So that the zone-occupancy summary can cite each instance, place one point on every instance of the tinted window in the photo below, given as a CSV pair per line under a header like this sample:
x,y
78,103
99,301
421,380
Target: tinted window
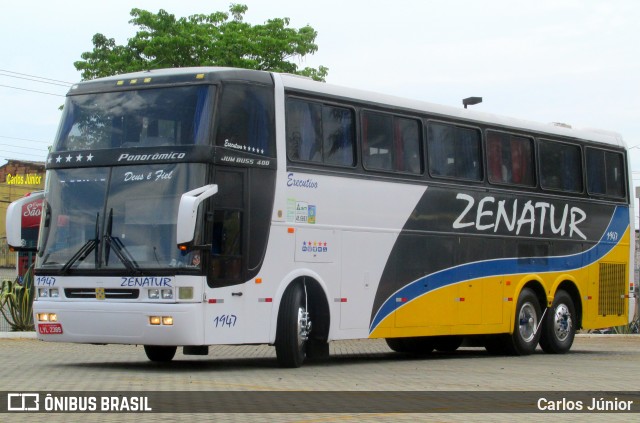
x,y
605,173
320,133
510,159
245,119
390,143
560,166
139,118
454,151
337,131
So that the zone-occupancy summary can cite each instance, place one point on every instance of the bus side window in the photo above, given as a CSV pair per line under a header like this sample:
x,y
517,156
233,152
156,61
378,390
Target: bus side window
x,y
338,134
560,166
454,152
407,145
377,136
605,173
510,159
320,133
304,141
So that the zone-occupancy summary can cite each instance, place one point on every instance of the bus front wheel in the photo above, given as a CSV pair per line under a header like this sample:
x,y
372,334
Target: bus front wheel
x,y
160,353
293,328
558,328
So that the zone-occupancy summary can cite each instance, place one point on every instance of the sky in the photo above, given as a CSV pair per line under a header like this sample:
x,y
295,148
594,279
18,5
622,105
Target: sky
x,y
570,61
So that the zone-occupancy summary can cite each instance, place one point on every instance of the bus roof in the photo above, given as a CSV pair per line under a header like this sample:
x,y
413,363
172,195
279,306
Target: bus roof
x,y
304,84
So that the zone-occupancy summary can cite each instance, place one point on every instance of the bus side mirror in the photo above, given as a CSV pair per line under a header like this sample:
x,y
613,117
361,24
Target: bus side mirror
x,y
23,222
188,213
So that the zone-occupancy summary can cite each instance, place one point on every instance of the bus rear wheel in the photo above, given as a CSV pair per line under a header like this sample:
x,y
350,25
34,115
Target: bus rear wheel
x,y
160,353
293,328
525,336
558,328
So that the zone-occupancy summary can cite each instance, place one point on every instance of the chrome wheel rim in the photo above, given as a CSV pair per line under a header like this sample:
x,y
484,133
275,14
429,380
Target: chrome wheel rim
x,y
562,322
528,319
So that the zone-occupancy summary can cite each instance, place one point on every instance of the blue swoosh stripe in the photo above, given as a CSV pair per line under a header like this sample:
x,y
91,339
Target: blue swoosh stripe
x,y
618,224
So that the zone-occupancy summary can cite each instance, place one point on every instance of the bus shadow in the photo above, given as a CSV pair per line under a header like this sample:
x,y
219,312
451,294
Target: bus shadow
x,y
210,362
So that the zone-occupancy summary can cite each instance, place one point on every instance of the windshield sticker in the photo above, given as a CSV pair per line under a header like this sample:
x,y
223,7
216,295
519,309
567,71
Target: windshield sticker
x,y
151,176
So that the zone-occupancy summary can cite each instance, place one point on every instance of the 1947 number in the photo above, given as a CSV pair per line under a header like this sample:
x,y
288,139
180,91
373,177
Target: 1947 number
x,y
225,320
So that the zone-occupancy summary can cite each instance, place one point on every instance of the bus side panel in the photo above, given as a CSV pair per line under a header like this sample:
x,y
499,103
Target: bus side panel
x,y
475,241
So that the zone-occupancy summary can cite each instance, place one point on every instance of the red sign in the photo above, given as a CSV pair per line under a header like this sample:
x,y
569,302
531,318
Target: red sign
x,y
50,328
31,213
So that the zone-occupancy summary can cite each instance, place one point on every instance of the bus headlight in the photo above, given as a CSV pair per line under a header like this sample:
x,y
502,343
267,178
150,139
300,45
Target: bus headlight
x,y
154,294
48,292
167,294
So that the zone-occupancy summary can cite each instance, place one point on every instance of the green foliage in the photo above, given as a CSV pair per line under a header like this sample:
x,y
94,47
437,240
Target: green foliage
x,y
216,39
16,302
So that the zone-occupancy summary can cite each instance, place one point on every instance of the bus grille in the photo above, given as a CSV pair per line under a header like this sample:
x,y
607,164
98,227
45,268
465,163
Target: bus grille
x,y
109,293
612,289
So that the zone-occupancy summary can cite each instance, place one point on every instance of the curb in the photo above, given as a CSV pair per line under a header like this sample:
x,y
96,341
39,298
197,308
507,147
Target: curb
x,y
17,335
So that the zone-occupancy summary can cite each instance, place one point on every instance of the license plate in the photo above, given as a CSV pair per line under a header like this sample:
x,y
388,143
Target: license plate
x,y
50,328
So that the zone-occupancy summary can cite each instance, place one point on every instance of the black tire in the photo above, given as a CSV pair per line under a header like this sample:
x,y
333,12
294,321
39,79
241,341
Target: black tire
x,y
559,325
418,346
290,341
525,336
160,353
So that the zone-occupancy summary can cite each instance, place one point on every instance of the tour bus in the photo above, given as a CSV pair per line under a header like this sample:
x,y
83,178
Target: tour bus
x,y
201,206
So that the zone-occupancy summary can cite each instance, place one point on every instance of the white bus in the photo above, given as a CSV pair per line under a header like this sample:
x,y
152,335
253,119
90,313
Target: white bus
x,y
202,206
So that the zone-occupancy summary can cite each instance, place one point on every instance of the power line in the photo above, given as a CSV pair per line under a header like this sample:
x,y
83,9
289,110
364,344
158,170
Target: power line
x,y
38,77
25,139
34,80
24,148
33,91
23,154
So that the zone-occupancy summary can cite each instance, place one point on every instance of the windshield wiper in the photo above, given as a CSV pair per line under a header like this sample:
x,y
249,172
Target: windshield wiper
x,y
84,251
118,247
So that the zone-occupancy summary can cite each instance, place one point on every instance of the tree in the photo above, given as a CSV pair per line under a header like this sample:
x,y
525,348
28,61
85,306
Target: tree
x,y
217,39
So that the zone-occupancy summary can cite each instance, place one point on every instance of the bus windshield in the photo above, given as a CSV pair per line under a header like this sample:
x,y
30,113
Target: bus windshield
x,y
120,218
136,118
